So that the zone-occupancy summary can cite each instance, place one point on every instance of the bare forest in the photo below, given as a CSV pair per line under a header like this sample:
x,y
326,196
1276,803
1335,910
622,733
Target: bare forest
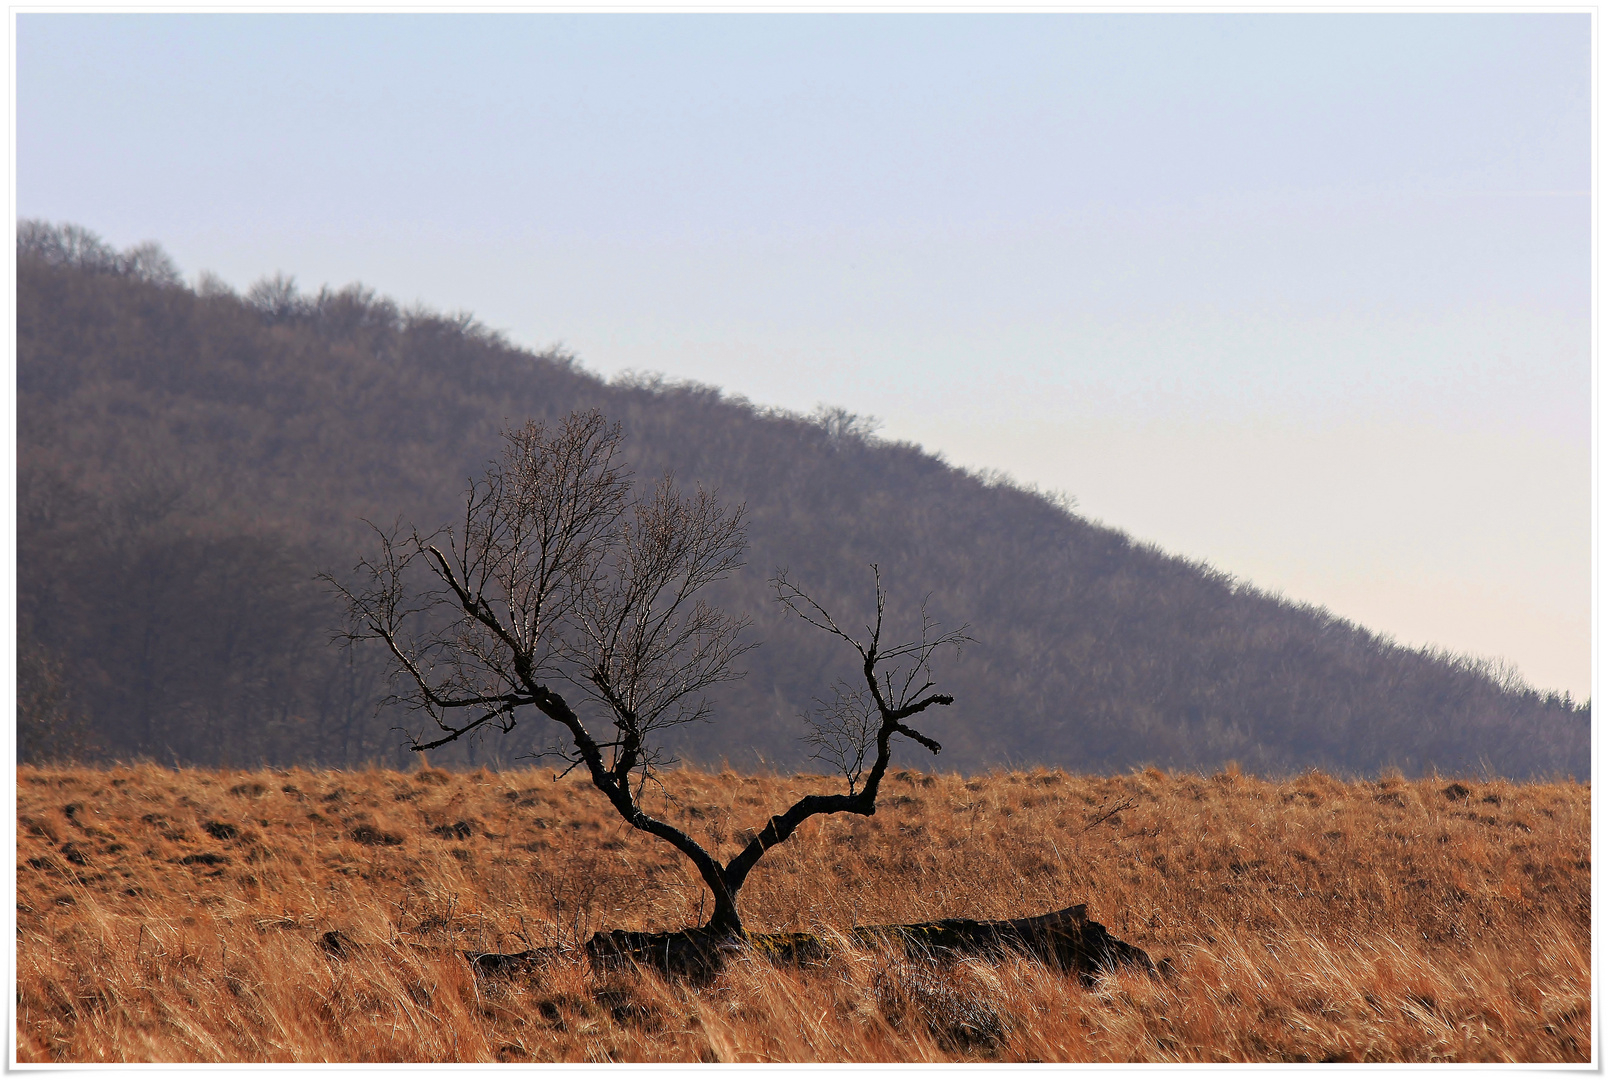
x,y
190,459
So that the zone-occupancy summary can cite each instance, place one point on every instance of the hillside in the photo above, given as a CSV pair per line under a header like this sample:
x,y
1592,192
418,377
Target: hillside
x,y
189,459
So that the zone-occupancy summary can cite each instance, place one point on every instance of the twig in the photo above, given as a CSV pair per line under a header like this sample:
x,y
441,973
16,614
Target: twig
x,y
1125,804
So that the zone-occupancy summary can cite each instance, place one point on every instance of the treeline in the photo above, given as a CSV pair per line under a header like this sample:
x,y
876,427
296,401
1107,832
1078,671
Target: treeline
x,y
190,458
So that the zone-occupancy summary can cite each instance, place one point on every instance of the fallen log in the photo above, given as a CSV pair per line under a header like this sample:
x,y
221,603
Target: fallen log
x,y
694,954
1066,939
486,963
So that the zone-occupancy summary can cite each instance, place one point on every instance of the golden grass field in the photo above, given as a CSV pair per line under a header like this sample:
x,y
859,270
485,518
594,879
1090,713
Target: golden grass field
x,y
298,915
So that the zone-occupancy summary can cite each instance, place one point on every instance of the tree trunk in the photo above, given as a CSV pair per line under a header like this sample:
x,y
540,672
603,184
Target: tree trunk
x,y
725,922
696,954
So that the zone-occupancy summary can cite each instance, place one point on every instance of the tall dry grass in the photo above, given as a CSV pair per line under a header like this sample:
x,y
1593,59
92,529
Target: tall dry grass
x,y
320,916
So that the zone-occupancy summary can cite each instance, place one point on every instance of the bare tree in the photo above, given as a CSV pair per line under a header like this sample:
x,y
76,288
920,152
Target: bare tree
x,y
845,729
50,728
561,592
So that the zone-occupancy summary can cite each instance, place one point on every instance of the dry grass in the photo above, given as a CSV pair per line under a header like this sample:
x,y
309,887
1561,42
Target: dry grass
x,y
318,916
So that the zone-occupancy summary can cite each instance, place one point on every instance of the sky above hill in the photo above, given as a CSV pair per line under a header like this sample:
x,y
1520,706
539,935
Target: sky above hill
x,y
1304,296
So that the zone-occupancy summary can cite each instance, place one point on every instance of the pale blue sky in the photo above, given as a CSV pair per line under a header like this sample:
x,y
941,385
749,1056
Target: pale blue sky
x,y
1304,296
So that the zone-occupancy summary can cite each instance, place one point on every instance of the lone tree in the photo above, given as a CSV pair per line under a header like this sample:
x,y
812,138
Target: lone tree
x,y
561,591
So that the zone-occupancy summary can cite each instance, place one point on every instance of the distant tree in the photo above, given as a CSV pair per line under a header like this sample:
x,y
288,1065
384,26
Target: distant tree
x,y
842,425
77,247
561,592
277,299
50,728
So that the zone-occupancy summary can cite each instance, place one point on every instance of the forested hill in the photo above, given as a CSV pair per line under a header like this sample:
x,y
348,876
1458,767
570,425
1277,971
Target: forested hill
x,y
189,459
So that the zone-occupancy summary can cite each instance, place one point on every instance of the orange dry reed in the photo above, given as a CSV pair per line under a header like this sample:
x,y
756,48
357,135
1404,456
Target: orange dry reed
x,y
320,916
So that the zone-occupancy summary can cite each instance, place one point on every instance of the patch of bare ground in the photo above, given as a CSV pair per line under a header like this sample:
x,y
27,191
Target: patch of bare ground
x,y
322,916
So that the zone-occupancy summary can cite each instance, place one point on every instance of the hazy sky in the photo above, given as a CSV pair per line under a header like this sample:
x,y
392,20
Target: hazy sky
x,y
1304,296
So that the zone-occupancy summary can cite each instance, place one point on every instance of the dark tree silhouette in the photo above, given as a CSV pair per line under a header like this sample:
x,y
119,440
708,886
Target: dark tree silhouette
x,y
561,592
49,727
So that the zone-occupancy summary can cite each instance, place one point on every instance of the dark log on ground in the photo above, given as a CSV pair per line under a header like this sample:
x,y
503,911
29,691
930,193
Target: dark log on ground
x,y
486,963
694,954
1066,939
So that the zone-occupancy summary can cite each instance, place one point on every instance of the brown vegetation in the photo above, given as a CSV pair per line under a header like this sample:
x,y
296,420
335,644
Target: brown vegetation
x,y
308,916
